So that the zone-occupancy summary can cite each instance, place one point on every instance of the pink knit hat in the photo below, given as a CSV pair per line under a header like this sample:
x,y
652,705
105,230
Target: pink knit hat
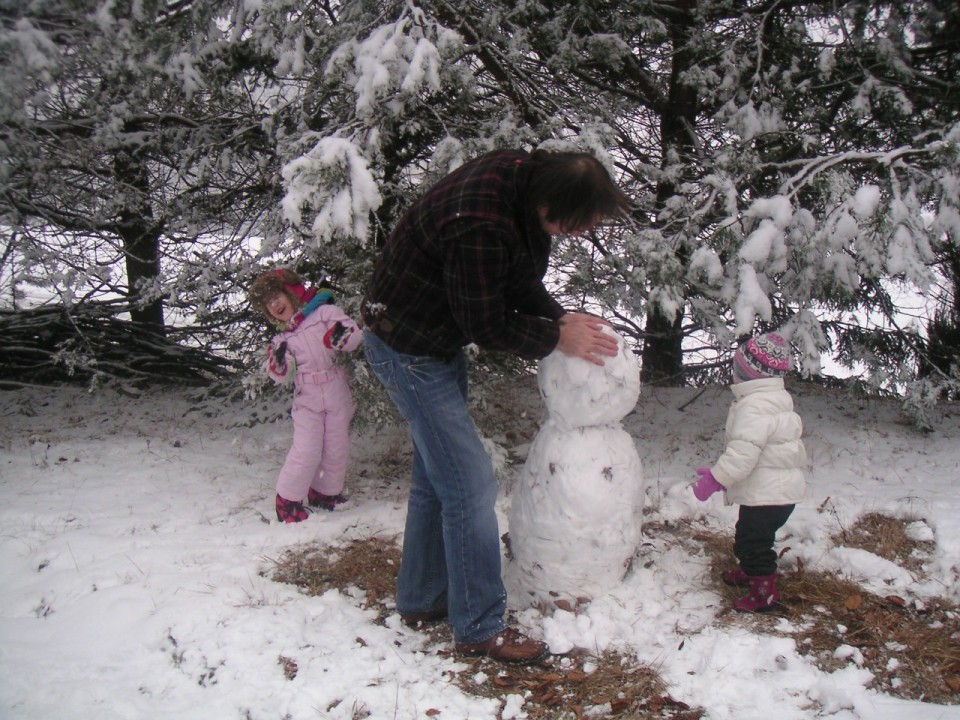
x,y
763,356
274,282
299,291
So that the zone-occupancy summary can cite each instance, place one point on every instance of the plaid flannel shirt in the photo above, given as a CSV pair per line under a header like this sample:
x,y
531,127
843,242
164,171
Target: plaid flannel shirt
x,y
466,264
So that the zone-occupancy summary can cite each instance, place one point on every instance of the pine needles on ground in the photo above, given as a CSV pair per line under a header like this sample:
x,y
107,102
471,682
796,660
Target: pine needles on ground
x,y
912,649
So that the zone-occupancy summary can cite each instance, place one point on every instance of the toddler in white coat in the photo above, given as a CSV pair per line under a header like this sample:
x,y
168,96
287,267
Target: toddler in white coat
x,y
763,467
312,331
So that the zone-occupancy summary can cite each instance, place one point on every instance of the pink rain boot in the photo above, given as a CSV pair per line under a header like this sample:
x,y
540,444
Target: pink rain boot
x,y
763,595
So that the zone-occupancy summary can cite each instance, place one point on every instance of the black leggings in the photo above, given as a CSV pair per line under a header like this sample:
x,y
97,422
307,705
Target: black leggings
x,y
756,532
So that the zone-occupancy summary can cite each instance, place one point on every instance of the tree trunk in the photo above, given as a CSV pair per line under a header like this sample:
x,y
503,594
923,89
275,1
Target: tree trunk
x,y
141,243
662,354
142,250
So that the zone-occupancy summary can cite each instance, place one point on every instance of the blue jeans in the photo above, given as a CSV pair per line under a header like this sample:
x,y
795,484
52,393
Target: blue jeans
x,y
451,543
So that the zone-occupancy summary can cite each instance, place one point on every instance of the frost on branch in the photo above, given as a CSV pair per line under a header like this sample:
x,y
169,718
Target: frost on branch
x,y
762,254
396,61
751,302
333,180
805,333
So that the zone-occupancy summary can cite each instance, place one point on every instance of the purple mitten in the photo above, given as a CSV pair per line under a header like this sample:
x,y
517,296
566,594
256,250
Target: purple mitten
x,y
707,485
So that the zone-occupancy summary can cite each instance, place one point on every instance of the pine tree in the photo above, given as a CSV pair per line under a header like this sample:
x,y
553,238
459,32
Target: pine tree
x,y
791,165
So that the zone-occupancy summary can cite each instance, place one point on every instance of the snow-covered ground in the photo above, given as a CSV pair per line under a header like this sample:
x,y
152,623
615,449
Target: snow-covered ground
x,y
138,537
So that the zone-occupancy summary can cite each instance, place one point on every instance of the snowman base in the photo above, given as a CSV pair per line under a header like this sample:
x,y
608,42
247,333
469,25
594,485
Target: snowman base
x,y
576,517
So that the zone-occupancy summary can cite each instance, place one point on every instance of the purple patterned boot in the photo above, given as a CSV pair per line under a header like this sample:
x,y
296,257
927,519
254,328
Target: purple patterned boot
x,y
735,578
763,595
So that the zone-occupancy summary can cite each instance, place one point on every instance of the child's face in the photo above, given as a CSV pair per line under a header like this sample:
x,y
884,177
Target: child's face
x,y
280,308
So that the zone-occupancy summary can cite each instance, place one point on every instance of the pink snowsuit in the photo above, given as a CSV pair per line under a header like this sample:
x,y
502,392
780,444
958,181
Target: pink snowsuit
x,y
323,405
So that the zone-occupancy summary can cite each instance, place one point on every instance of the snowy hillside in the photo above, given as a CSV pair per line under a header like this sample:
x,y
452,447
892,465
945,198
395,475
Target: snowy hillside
x,y
139,545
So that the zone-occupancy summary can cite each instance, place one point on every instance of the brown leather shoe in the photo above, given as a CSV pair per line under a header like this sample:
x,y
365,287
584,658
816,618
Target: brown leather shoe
x,y
508,645
415,620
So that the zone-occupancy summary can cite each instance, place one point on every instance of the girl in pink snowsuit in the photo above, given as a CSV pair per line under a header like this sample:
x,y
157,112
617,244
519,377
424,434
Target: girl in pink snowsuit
x,y
312,331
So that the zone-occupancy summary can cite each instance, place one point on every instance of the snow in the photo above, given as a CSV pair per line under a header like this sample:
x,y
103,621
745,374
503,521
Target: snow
x,y
317,179
866,201
776,208
139,540
751,301
706,261
760,243
394,57
34,46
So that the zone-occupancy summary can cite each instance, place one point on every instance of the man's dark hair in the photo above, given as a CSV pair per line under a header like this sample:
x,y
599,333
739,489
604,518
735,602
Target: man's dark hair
x,y
574,187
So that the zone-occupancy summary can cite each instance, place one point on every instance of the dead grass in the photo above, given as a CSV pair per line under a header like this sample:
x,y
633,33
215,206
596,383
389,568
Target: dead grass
x,y
886,537
560,688
912,650
580,686
369,565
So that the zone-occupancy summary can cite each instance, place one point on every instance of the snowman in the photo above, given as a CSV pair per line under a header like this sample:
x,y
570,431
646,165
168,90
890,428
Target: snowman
x,y
575,518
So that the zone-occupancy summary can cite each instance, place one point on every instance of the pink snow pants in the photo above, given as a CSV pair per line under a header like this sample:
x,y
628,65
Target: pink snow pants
x,y
322,409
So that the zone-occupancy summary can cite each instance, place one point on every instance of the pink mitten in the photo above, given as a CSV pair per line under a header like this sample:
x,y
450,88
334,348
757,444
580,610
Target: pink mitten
x,y
707,485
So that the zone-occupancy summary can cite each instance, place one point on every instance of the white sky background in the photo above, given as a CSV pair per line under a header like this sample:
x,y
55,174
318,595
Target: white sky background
x,y
139,539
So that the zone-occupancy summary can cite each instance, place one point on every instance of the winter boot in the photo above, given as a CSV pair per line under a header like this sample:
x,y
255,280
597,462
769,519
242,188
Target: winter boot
x,y
325,502
763,595
735,578
291,511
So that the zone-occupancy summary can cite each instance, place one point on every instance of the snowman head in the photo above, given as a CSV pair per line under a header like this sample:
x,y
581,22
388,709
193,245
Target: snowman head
x,y
579,393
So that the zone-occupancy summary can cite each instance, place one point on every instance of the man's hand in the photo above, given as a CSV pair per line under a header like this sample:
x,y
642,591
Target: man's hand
x,y
582,336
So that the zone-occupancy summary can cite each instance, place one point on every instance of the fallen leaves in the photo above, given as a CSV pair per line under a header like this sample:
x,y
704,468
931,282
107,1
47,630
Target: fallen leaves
x,y
289,665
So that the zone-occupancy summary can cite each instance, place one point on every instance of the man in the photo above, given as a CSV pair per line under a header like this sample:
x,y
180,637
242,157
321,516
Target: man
x,y
465,264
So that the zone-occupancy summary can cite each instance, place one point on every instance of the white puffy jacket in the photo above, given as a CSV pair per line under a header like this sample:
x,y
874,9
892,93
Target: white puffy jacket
x,y
764,462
